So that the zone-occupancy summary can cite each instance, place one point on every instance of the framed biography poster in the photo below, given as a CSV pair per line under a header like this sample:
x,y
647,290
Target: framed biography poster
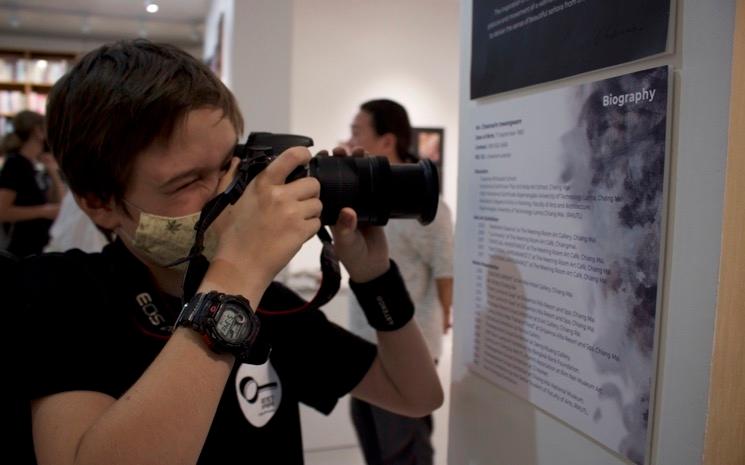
x,y
566,208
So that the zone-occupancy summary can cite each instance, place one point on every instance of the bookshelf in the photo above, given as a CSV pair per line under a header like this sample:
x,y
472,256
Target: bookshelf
x,y
26,77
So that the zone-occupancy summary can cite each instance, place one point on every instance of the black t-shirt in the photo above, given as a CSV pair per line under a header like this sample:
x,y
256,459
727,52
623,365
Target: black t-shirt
x,y
18,174
96,322
16,440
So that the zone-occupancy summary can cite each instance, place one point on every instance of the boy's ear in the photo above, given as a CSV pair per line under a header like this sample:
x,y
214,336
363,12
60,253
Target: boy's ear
x,y
104,214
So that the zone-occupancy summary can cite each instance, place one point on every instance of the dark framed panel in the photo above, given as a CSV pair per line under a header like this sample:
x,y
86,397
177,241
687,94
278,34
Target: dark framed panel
x,y
520,43
429,143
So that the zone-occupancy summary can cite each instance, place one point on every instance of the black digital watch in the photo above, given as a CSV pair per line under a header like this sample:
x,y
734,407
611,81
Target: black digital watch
x,y
227,323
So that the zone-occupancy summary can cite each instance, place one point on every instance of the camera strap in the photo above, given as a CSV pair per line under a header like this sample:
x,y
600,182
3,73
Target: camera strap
x,y
198,263
330,281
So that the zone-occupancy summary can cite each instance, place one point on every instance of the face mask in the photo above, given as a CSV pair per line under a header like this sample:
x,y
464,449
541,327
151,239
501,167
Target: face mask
x,y
165,239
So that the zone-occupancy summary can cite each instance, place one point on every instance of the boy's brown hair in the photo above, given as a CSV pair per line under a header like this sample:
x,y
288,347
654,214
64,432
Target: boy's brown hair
x,y
117,101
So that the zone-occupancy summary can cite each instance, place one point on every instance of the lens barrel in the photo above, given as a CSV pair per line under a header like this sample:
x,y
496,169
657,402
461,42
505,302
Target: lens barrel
x,y
375,189
371,186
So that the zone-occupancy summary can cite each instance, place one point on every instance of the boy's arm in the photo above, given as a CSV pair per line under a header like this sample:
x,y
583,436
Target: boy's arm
x,y
403,377
57,189
165,416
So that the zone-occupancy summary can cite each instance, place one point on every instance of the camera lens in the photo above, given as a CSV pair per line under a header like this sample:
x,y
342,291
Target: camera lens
x,y
375,189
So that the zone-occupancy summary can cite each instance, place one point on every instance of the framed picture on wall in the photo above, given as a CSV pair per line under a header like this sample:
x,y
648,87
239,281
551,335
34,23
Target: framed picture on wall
x,y
214,61
429,143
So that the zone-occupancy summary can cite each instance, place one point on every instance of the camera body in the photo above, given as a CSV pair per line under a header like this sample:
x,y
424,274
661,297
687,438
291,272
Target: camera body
x,y
371,186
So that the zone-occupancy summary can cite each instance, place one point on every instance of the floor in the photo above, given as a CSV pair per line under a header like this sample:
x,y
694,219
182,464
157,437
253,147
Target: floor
x,y
351,455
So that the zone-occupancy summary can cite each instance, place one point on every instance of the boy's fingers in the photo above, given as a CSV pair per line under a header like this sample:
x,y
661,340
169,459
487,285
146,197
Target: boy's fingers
x,y
305,188
282,166
340,152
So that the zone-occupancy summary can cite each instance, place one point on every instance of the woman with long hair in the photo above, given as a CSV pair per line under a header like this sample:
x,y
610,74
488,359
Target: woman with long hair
x,y
29,196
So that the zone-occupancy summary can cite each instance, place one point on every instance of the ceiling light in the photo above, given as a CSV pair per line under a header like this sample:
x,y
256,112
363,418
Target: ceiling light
x,y
151,7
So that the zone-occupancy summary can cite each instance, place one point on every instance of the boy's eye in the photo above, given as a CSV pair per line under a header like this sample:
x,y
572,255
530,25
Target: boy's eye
x,y
185,186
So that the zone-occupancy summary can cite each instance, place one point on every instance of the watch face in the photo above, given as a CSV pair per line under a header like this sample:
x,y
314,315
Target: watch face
x,y
232,324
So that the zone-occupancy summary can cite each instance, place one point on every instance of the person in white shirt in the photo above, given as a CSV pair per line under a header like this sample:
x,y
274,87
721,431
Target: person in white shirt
x,y
424,255
74,230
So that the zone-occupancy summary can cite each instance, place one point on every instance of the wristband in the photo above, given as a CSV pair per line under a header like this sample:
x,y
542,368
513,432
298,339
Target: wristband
x,y
385,300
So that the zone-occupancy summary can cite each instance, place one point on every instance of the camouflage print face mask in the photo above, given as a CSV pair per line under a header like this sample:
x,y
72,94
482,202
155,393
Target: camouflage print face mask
x,y
165,239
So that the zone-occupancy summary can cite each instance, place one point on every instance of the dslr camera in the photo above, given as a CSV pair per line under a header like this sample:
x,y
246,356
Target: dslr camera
x,y
371,186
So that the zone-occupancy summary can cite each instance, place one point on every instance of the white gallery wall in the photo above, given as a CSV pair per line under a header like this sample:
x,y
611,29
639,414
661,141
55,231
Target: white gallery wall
x,y
345,52
305,66
255,58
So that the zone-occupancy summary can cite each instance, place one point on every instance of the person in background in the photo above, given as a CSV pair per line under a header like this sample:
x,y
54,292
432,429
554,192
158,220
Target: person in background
x,y
129,366
72,229
29,197
424,255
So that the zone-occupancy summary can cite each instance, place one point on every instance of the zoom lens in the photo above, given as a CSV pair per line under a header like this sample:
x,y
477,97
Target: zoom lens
x,y
375,189
371,186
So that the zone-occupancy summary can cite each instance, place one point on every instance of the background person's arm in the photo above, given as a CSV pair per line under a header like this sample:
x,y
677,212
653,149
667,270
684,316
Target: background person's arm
x,y
58,189
445,296
11,213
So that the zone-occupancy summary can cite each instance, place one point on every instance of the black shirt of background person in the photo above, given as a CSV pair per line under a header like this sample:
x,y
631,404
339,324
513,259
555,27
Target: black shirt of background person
x,y
19,175
90,334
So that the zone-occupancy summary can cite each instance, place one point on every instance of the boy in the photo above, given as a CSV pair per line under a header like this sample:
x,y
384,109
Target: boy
x,y
144,134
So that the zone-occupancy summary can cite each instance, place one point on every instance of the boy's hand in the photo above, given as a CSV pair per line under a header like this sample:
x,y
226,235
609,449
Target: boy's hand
x,y
363,250
266,227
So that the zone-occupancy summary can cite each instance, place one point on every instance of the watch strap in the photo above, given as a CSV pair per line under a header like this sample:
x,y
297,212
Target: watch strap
x,y
199,310
191,311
